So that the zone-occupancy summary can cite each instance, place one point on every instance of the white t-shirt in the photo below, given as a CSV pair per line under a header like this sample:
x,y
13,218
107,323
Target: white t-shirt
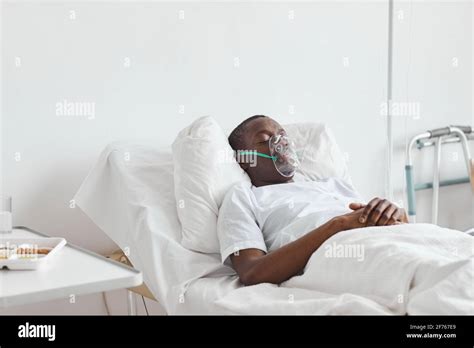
x,y
268,217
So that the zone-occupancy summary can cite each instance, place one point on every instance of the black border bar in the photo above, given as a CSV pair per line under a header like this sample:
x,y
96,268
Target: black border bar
x,y
135,330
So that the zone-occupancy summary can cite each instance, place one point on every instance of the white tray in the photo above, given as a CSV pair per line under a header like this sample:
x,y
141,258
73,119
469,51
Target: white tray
x,y
22,263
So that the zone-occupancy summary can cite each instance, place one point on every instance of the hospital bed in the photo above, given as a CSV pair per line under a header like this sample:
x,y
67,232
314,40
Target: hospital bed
x,y
129,195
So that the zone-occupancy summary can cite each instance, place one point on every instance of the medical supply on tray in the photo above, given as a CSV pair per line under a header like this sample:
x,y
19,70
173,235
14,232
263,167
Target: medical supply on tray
x,y
28,253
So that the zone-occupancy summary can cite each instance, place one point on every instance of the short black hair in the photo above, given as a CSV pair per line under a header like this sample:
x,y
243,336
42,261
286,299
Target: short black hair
x,y
236,137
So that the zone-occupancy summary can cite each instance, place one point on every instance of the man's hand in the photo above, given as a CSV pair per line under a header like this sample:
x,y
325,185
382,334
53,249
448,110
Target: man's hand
x,y
380,212
351,220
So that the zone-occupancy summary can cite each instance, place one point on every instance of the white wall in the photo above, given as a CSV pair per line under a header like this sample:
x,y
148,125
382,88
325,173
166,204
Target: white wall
x,y
433,60
320,61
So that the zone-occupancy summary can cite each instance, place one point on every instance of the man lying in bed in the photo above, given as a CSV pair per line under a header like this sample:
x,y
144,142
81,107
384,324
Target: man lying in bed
x,y
270,230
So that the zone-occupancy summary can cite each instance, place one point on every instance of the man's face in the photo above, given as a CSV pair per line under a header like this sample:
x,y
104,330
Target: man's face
x,y
256,138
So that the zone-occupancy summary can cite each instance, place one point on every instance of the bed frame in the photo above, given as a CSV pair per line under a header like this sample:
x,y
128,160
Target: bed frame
x,y
141,290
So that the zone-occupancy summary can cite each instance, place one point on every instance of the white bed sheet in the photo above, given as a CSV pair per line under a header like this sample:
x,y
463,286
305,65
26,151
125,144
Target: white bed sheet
x,y
129,195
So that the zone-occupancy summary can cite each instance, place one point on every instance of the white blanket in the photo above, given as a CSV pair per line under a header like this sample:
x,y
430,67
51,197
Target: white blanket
x,y
415,269
404,269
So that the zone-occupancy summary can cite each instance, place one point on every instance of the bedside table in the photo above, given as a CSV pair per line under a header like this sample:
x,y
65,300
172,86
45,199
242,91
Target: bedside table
x,y
72,271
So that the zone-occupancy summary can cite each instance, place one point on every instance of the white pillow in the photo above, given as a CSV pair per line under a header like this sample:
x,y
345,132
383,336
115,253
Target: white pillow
x,y
318,152
205,168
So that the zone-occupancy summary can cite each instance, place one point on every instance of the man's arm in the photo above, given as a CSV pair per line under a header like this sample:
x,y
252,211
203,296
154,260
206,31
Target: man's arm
x,y
254,266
